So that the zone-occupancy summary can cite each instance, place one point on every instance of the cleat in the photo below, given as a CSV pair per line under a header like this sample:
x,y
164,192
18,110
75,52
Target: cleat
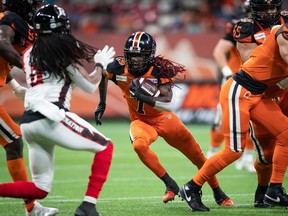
x,y
227,202
221,198
86,209
40,210
276,196
192,196
168,196
171,191
259,197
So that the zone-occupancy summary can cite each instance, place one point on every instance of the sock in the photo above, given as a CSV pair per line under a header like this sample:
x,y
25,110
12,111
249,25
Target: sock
x,y
99,171
22,189
264,172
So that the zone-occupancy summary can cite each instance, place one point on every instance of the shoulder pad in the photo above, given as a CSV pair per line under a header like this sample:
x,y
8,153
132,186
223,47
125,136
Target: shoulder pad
x,y
284,17
243,30
117,66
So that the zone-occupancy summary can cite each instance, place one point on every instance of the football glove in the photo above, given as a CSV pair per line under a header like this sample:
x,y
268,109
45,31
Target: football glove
x,y
105,56
135,92
99,113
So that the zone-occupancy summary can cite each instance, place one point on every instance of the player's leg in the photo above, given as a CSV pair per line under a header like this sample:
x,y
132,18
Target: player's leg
x,y
264,146
246,161
77,134
216,134
11,140
142,135
176,134
235,124
276,124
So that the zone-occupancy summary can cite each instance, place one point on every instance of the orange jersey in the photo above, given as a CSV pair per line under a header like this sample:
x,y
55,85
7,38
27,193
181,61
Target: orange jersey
x,y
249,31
233,57
265,64
118,73
23,37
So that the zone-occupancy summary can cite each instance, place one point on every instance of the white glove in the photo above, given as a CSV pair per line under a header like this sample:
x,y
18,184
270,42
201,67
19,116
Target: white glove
x,y
20,92
105,56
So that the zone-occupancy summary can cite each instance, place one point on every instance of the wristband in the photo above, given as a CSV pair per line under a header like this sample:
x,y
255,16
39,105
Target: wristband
x,y
13,84
226,71
99,65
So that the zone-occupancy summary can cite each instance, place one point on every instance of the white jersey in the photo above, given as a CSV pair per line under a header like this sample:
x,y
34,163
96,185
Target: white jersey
x,y
45,90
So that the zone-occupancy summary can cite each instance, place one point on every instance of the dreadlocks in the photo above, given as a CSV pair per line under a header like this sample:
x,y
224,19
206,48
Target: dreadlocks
x,y
53,53
168,68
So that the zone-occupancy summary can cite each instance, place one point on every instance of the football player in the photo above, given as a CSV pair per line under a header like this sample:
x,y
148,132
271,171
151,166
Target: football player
x,y
250,33
150,116
242,100
228,60
54,61
15,36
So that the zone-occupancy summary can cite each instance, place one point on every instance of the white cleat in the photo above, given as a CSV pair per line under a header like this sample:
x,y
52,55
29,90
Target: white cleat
x,y
40,210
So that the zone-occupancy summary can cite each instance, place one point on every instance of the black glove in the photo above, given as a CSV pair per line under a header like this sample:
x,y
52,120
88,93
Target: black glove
x,y
99,113
136,93
135,88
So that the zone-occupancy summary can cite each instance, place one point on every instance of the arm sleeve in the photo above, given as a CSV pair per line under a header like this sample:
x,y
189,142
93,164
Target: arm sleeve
x,y
81,81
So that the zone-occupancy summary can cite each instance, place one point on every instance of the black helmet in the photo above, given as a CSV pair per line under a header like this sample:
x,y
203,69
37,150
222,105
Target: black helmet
x,y
142,46
246,7
24,8
259,11
51,18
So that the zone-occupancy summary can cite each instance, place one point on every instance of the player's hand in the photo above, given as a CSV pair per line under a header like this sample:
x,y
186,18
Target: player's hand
x,y
20,92
135,89
99,113
105,56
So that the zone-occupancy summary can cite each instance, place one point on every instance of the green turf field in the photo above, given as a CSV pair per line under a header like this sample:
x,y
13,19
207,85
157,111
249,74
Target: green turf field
x,y
133,190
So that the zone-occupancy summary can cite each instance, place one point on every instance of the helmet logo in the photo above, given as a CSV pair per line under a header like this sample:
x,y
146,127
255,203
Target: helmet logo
x,y
268,1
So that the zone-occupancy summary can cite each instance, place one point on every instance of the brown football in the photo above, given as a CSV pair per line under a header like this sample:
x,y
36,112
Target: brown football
x,y
148,87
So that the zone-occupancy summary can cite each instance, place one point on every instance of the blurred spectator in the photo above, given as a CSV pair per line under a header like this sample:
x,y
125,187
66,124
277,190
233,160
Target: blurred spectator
x,y
125,16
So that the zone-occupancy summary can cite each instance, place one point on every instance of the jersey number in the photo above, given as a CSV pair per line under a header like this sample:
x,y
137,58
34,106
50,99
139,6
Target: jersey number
x,y
140,108
236,31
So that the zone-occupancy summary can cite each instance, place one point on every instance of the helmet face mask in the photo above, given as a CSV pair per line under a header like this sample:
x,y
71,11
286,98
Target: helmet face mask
x,y
51,19
24,8
266,12
139,52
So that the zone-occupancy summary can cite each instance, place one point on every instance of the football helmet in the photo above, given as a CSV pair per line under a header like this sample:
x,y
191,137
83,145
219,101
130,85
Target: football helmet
x,y
24,8
260,13
139,52
51,19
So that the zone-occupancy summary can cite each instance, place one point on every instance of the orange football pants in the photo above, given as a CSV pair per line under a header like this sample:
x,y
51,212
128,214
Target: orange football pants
x,y
9,130
168,126
239,106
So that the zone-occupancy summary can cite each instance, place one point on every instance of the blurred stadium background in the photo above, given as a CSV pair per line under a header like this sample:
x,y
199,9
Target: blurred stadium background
x,y
185,31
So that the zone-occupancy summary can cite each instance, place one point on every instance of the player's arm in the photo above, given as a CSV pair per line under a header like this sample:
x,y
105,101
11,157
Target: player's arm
x,y
219,53
162,102
17,89
282,41
245,49
87,82
243,35
103,86
7,50
276,90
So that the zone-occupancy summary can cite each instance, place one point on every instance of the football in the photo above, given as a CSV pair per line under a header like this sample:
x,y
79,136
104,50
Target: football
x,y
148,87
